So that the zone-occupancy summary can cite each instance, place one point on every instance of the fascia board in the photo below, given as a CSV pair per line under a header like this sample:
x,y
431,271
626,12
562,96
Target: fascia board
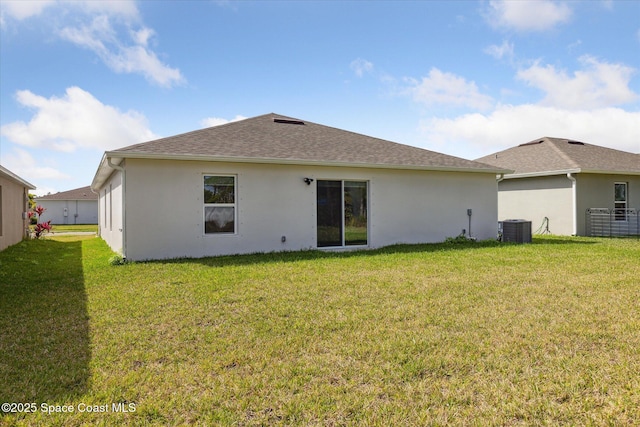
x,y
263,160
566,171
15,178
539,174
609,172
103,172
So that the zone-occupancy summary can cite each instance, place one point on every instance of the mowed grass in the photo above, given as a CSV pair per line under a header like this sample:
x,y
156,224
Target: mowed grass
x,y
70,228
450,334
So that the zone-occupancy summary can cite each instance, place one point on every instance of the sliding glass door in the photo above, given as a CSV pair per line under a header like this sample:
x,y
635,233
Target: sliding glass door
x,y
329,206
342,213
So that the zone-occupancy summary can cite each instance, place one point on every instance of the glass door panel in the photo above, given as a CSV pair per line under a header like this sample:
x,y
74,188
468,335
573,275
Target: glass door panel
x,y
355,213
329,213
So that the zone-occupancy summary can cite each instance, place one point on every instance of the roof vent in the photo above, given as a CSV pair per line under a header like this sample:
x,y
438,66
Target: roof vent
x,y
288,121
531,143
575,142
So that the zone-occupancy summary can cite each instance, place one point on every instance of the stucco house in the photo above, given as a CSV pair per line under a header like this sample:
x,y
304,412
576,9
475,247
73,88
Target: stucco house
x,y
77,206
14,204
276,183
581,189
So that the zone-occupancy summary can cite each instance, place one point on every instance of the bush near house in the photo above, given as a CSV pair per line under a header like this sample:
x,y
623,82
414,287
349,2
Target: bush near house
x,y
469,334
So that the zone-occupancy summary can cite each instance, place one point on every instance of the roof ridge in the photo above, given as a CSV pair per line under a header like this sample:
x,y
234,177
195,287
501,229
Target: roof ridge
x,y
561,152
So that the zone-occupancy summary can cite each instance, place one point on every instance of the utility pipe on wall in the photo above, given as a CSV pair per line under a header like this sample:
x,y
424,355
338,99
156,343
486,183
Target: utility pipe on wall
x,y
574,200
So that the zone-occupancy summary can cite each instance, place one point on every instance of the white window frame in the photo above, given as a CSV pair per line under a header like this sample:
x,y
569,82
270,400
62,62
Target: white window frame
x,y
625,202
110,207
343,244
233,205
104,221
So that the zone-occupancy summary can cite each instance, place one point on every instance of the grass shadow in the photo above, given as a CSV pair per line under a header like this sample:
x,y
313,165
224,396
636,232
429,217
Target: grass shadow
x,y
304,255
44,324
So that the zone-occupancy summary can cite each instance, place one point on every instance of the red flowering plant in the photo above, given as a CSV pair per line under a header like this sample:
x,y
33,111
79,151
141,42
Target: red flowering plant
x,y
41,227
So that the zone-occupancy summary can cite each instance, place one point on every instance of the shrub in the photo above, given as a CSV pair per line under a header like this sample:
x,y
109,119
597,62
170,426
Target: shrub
x,y
117,260
461,238
40,227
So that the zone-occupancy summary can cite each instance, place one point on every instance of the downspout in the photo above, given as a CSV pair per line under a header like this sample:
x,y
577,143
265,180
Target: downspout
x,y
498,180
574,198
124,198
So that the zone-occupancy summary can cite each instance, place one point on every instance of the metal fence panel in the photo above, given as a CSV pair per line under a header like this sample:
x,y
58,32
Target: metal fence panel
x,y
605,222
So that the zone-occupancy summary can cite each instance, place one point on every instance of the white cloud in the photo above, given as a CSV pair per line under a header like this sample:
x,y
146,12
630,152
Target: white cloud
x,y
111,29
507,125
598,85
122,57
22,163
217,121
361,66
441,88
125,8
527,15
21,9
141,37
502,51
76,120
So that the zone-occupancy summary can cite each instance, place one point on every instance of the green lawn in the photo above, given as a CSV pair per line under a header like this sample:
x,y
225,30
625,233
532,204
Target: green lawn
x,y
75,227
465,334
61,228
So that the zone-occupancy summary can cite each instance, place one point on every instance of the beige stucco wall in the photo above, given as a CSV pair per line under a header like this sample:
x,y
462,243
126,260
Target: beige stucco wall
x,y
164,207
535,198
78,211
597,191
13,205
110,212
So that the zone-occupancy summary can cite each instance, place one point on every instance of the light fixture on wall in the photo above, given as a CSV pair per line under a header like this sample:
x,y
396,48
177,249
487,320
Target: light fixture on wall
x,y
308,181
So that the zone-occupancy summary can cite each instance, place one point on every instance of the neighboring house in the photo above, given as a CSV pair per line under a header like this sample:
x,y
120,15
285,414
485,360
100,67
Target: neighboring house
x,y
78,206
582,189
14,204
274,183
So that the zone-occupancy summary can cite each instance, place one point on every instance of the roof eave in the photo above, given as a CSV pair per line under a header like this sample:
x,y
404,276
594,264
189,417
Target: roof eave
x,y
610,172
566,171
104,171
266,160
541,173
13,177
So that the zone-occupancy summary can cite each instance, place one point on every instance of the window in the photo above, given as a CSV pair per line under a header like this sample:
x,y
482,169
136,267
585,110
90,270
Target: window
x,y
110,208
620,201
105,209
219,204
342,213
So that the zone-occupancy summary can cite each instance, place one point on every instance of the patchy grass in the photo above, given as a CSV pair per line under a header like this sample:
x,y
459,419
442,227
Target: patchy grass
x,y
59,228
56,228
466,334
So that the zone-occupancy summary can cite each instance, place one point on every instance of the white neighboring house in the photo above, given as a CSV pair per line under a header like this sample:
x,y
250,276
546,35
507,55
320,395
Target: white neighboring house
x,y
77,206
572,187
14,204
275,183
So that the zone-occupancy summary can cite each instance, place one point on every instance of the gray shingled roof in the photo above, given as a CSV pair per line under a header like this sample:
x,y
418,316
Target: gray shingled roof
x,y
83,193
273,138
556,155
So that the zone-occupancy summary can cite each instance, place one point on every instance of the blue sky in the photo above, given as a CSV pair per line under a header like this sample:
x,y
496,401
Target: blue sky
x,y
465,78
